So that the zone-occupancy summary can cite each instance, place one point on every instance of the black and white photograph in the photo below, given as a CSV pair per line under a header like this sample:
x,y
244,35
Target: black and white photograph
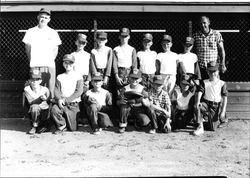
x,y
125,88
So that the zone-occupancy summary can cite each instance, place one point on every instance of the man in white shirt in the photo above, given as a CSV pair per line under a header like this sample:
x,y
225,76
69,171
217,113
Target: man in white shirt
x,y
41,45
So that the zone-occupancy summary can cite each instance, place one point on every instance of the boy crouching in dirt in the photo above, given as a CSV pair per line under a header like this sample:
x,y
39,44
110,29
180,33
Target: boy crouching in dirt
x,y
183,102
68,91
133,102
37,97
208,108
98,103
161,104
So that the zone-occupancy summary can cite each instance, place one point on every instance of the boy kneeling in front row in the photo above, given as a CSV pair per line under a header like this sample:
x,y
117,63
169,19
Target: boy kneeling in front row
x,y
37,97
68,91
98,104
133,101
208,108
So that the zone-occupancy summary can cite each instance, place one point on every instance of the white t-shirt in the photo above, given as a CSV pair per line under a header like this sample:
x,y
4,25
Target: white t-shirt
x,y
147,61
101,57
32,95
68,84
124,55
213,90
81,65
168,62
188,60
42,41
100,96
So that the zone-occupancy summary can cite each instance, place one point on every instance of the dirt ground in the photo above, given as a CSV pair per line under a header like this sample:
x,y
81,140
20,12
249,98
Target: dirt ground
x,y
82,154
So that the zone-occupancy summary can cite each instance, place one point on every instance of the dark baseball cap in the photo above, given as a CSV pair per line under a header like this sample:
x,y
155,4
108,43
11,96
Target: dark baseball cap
x,y
68,57
189,41
212,67
167,38
124,32
158,79
147,37
97,77
135,73
44,10
101,34
82,37
35,74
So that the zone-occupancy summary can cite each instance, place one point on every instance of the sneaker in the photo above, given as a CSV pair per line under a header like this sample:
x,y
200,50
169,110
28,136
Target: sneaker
x,y
60,131
152,131
42,130
167,126
199,131
122,130
97,132
223,124
32,131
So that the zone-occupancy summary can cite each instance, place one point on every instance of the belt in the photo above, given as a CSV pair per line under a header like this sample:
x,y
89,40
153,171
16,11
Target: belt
x,y
123,68
212,102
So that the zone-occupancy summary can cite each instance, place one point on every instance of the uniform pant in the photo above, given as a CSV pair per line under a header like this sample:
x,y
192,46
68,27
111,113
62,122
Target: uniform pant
x,y
38,115
48,78
169,83
99,116
146,80
141,115
182,118
66,116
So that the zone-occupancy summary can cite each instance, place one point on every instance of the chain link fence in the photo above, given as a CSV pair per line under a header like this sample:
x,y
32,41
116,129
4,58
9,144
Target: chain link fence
x,y
15,66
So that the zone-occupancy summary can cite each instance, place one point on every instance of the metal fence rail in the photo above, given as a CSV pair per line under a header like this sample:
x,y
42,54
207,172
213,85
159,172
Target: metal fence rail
x,y
234,28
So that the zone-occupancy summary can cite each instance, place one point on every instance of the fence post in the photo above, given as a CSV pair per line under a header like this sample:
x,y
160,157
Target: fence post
x,y
190,28
95,30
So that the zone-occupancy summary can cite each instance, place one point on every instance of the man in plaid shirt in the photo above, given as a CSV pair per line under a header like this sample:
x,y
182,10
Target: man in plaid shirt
x,y
208,46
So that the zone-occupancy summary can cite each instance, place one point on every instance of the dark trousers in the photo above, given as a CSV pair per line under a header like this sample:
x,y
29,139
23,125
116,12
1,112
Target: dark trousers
x,y
146,80
141,115
38,116
66,116
182,118
99,116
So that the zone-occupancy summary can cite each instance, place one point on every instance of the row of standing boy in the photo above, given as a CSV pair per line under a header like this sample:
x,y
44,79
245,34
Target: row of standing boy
x,y
151,75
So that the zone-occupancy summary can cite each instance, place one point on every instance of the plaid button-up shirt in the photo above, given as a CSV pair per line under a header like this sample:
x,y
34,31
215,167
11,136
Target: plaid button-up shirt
x,y
161,99
207,46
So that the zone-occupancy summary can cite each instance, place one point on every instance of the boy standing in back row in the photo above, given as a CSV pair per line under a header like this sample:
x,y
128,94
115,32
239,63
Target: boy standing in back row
x,y
167,64
147,60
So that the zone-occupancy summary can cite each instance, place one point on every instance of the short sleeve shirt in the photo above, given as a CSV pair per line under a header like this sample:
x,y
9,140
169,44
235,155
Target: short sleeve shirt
x,y
207,46
81,62
43,42
147,61
188,60
100,96
124,55
168,62
162,100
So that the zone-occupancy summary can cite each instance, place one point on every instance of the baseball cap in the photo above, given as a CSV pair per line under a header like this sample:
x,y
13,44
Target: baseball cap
x,y
158,79
44,10
185,82
167,38
97,77
212,66
82,37
68,57
35,74
189,41
135,73
147,37
101,35
124,32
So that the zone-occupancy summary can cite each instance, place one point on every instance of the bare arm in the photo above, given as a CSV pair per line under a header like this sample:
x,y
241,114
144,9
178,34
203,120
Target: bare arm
x,y
222,57
28,50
